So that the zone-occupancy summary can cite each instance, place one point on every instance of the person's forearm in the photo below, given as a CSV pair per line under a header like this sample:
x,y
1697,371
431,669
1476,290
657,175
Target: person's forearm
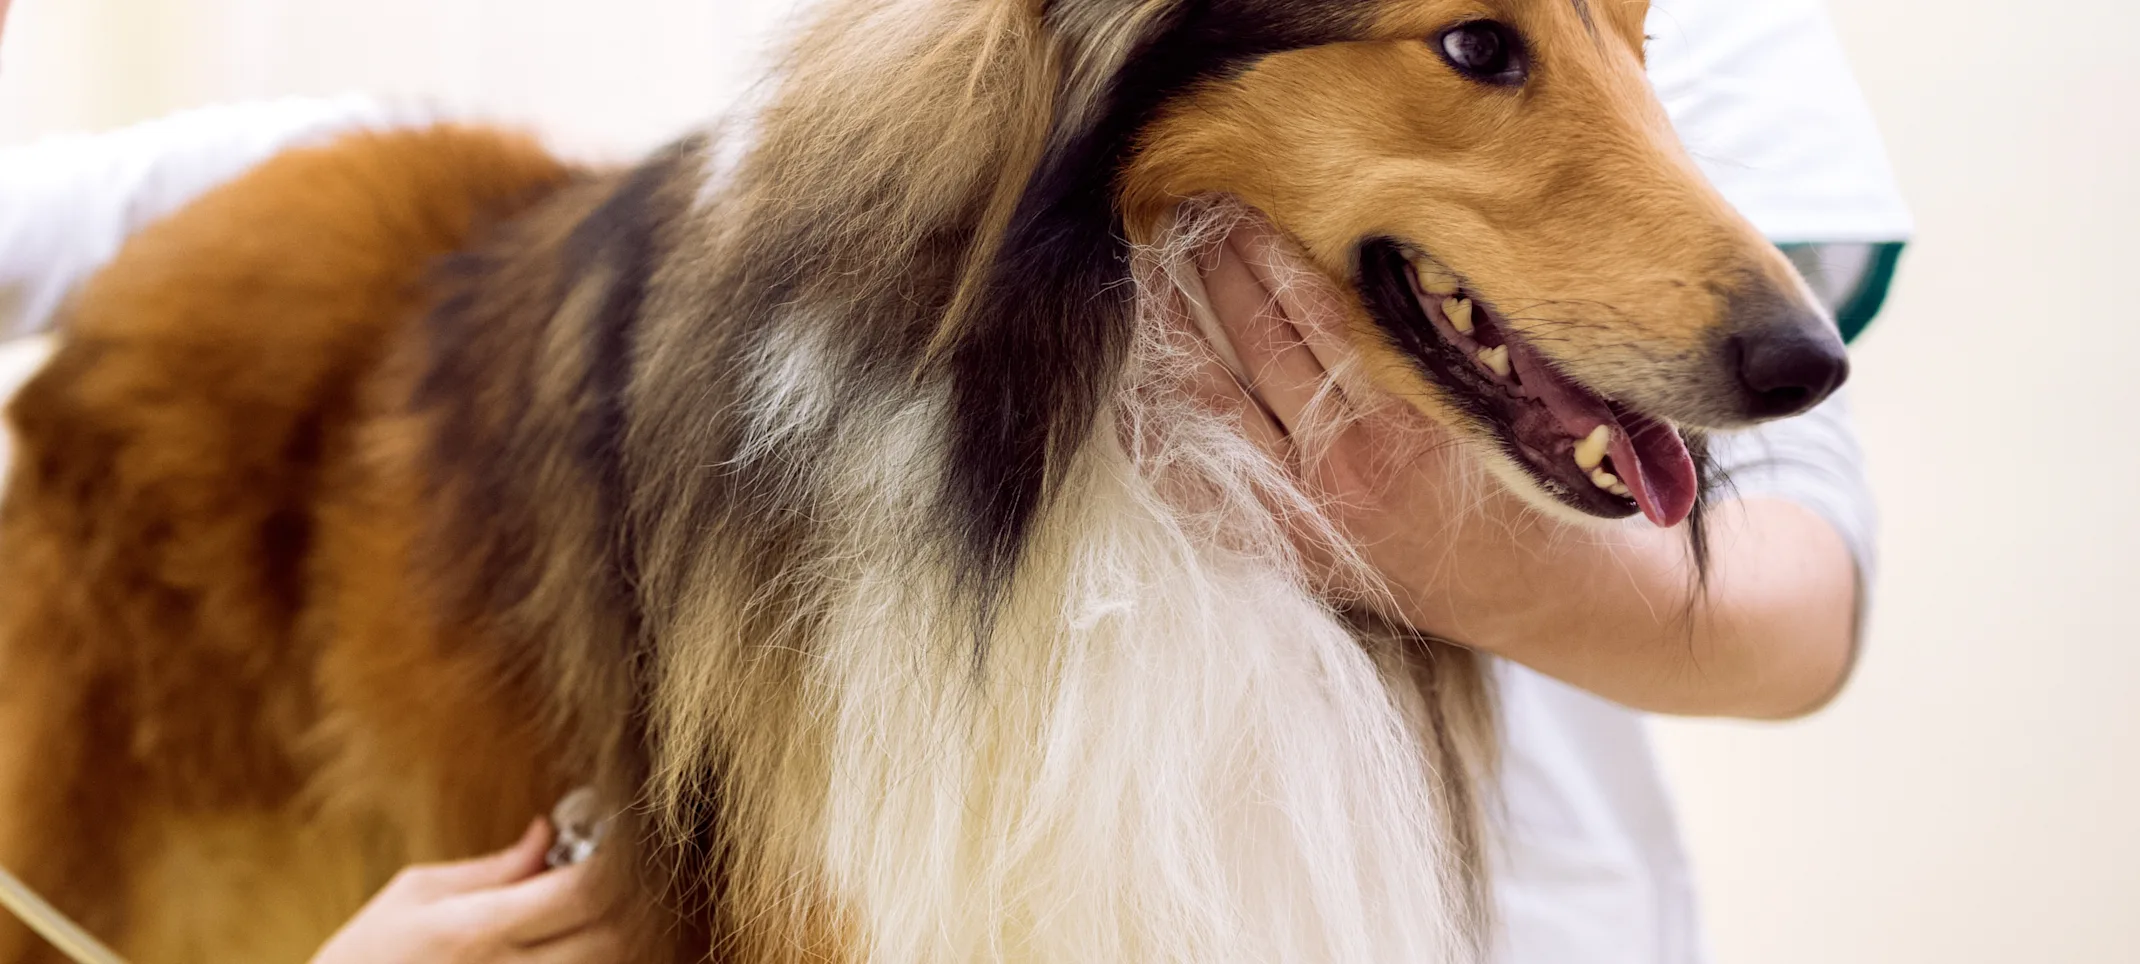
x,y
1772,637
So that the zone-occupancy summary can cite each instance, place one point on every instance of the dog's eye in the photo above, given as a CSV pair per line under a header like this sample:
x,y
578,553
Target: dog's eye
x,y
1486,51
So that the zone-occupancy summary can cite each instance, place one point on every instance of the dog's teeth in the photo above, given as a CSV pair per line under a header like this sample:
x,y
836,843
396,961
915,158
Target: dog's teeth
x,y
1590,452
1458,311
1603,479
1496,358
1435,279
1621,491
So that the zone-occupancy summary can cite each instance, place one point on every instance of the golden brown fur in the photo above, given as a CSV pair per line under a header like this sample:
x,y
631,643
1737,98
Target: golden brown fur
x,y
196,514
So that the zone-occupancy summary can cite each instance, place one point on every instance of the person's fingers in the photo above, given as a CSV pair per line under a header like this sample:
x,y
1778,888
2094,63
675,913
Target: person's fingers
x,y
1218,384
514,863
593,945
1216,387
1311,303
540,908
1371,432
1283,374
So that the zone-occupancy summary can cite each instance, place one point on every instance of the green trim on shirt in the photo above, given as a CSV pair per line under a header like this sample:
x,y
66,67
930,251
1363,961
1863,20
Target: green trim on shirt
x,y
1852,279
1863,307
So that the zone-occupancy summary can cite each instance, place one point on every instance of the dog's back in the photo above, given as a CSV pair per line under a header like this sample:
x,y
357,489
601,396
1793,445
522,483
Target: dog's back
x,y
219,739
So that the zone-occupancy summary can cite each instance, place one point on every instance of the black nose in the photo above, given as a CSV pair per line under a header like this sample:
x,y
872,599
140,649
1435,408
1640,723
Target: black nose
x,y
1787,369
1786,354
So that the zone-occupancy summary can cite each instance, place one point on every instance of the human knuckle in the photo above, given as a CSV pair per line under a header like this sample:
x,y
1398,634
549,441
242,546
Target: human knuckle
x,y
409,879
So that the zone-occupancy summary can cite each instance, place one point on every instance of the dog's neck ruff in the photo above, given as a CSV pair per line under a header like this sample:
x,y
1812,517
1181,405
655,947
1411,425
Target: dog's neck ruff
x,y
1173,751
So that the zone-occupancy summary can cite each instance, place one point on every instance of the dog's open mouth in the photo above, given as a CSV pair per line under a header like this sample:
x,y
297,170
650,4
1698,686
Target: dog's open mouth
x,y
1590,452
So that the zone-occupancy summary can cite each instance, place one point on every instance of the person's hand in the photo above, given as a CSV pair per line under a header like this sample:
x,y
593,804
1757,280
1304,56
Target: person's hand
x,y
1614,610
1399,488
505,907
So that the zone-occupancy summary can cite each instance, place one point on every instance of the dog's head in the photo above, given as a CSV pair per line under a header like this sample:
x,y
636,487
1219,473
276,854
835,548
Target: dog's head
x,y
1538,261
1538,264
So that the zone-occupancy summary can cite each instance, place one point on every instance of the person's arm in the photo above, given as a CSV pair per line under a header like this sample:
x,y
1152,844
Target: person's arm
x,y
1616,611
1771,636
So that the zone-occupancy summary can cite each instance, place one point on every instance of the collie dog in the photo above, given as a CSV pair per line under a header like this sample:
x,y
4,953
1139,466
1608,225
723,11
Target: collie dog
x,y
825,492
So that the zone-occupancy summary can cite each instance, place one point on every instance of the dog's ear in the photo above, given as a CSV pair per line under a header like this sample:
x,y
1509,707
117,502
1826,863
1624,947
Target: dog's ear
x,y
1040,329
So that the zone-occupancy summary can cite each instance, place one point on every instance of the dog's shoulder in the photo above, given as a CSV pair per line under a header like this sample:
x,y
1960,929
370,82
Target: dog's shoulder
x,y
201,378
267,286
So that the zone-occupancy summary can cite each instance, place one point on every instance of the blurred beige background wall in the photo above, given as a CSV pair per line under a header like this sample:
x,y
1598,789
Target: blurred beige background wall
x,y
606,78
1975,797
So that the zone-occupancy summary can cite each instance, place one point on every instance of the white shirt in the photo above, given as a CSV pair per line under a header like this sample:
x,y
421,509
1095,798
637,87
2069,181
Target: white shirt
x,y
1766,103
1591,868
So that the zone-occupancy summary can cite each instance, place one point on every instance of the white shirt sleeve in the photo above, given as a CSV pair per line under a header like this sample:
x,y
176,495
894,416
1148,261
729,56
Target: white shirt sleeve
x,y
68,203
19,359
1765,100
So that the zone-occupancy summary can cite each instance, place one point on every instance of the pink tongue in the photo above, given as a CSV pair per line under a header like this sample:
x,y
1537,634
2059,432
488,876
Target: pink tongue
x,y
1654,463
1647,454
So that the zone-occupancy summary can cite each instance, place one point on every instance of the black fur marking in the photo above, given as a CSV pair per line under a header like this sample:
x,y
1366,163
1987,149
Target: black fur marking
x,y
470,470
488,367
621,238
1582,9
1712,485
1050,328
